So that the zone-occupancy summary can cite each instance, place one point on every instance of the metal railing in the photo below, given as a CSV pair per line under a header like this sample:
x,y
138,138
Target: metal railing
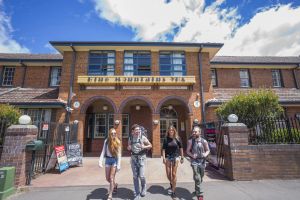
x,y
274,130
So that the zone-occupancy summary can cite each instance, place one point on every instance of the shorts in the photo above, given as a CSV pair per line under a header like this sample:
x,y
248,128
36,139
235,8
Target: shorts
x,y
111,162
173,159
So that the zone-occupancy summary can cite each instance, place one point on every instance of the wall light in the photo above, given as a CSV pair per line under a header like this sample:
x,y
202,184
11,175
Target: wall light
x,y
155,122
170,107
25,120
117,122
233,118
196,121
138,107
105,107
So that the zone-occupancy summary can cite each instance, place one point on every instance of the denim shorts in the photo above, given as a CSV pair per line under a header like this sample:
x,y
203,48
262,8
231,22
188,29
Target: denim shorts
x,y
110,161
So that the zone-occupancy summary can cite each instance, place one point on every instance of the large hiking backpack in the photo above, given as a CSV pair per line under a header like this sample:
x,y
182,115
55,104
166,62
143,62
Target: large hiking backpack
x,y
143,133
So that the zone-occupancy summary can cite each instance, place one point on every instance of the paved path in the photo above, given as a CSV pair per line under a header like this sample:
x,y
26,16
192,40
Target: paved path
x,y
215,190
91,174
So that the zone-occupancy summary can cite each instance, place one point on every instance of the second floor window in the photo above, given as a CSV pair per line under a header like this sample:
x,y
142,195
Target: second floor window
x,y
244,77
102,63
214,77
55,76
172,64
8,76
137,63
276,78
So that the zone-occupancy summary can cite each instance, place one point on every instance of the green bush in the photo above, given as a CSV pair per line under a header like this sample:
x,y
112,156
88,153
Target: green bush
x,y
251,106
9,113
283,135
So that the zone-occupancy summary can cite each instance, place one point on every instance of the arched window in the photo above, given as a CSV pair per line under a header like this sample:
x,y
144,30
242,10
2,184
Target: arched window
x,y
167,113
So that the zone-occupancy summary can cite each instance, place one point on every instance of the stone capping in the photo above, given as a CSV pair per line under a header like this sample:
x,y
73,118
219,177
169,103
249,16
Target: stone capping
x,y
21,130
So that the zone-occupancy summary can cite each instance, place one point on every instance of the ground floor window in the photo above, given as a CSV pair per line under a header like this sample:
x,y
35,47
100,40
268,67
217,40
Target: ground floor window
x,y
125,125
38,114
99,124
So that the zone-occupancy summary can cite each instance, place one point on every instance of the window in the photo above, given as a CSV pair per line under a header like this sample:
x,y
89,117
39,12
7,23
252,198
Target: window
x,y
244,76
214,77
172,64
55,76
276,78
38,115
137,63
125,125
102,63
100,126
8,76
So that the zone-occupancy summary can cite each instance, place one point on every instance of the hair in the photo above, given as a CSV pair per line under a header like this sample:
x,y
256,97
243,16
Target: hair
x,y
114,143
197,126
175,132
134,126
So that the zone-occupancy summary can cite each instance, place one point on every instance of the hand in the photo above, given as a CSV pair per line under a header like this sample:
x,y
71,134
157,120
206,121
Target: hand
x,y
204,155
100,165
129,147
195,156
164,161
118,169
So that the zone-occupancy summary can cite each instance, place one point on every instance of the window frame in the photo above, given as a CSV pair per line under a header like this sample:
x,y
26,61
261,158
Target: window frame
x,y
172,71
248,77
101,71
136,66
3,74
280,81
127,125
50,79
216,77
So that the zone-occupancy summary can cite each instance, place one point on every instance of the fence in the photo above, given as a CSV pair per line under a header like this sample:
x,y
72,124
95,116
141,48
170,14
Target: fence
x,y
52,134
274,130
3,126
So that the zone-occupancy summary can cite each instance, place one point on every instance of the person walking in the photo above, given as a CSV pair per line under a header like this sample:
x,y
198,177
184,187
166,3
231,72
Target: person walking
x,y
138,145
111,151
172,153
198,150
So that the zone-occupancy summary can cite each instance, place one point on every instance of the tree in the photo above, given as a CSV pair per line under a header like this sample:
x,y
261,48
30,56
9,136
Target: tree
x,y
9,113
253,105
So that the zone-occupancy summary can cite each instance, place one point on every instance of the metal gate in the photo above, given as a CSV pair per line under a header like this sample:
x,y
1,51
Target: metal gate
x,y
52,134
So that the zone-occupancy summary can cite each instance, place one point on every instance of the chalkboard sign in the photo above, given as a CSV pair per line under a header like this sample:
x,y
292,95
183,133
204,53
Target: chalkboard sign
x,y
74,154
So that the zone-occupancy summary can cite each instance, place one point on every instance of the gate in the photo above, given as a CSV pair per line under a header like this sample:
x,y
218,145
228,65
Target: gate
x,y
214,135
52,134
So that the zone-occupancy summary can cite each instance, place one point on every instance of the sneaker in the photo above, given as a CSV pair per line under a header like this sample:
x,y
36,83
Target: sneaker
x,y
143,192
136,197
200,198
173,195
115,189
170,189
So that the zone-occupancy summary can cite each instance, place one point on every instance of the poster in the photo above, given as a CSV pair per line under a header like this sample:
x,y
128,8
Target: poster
x,y
74,154
61,158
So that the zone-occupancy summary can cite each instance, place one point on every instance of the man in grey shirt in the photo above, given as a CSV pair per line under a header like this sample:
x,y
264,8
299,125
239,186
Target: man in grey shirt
x,y
138,144
198,150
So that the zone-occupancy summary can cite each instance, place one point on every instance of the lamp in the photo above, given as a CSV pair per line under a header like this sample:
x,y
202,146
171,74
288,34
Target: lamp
x,y
196,121
170,107
25,120
233,118
105,107
155,122
117,122
138,107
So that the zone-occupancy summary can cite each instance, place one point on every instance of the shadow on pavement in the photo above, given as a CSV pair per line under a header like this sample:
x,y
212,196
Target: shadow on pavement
x,y
157,189
183,193
101,193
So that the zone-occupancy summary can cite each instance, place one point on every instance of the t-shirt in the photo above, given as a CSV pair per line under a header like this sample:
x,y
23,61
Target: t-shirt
x,y
198,148
136,144
171,147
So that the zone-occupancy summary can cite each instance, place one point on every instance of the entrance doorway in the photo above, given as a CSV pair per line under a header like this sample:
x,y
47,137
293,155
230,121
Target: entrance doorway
x,y
168,117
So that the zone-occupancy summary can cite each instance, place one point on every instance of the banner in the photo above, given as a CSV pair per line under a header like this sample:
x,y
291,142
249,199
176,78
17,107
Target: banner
x,y
61,158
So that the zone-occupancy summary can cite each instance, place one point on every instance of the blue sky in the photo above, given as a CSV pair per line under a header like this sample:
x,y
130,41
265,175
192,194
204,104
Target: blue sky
x,y
244,26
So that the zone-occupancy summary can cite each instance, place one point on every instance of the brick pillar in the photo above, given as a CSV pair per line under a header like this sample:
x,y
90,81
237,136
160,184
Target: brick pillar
x,y
14,154
156,151
236,153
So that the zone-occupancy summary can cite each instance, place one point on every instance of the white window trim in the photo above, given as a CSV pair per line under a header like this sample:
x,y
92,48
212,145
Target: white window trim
x,y
3,75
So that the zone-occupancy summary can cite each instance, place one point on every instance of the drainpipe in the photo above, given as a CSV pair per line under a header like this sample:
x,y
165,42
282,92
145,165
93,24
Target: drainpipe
x,y
201,86
295,76
70,94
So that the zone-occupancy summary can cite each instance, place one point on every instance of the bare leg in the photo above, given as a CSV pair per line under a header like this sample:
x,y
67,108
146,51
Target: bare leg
x,y
174,175
112,180
168,170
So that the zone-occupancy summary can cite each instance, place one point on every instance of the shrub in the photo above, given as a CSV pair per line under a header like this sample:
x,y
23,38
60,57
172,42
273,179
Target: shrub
x,y
9,113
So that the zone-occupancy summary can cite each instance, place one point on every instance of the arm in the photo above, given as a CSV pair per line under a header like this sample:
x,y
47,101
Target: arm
x,y
206,149
181,155
102,155
129,144
146,144
119,159
188,149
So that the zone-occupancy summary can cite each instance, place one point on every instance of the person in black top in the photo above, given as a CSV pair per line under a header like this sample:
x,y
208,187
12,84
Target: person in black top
x,y
172,153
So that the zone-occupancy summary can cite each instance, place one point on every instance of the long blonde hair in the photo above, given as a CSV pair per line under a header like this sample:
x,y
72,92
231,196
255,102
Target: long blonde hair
x,y
171,127
114,143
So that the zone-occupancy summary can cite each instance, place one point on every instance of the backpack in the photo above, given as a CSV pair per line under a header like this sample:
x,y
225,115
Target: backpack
x,y
143,133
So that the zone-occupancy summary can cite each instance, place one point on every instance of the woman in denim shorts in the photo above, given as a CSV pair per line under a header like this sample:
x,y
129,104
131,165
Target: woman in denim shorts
x,y
112,153
172,152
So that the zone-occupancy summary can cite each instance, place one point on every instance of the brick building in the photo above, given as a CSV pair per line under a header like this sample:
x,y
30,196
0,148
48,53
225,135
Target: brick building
x,y
117,84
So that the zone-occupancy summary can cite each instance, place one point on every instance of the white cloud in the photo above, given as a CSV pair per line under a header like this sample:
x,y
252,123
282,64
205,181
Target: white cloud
x,y
51,48
272,31
7,43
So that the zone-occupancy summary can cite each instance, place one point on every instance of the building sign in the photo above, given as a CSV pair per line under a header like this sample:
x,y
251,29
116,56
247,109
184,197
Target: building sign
x,y
136,80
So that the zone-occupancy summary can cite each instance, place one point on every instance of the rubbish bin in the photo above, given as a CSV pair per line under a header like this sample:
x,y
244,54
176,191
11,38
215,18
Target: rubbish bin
x,y
35,145
7,182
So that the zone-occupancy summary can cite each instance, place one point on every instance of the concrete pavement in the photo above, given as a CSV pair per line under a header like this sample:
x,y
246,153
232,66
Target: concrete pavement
x,y
214,190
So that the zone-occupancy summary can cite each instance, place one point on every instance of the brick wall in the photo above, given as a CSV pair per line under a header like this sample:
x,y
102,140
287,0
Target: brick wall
x,y
37,77
249,162
259,78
